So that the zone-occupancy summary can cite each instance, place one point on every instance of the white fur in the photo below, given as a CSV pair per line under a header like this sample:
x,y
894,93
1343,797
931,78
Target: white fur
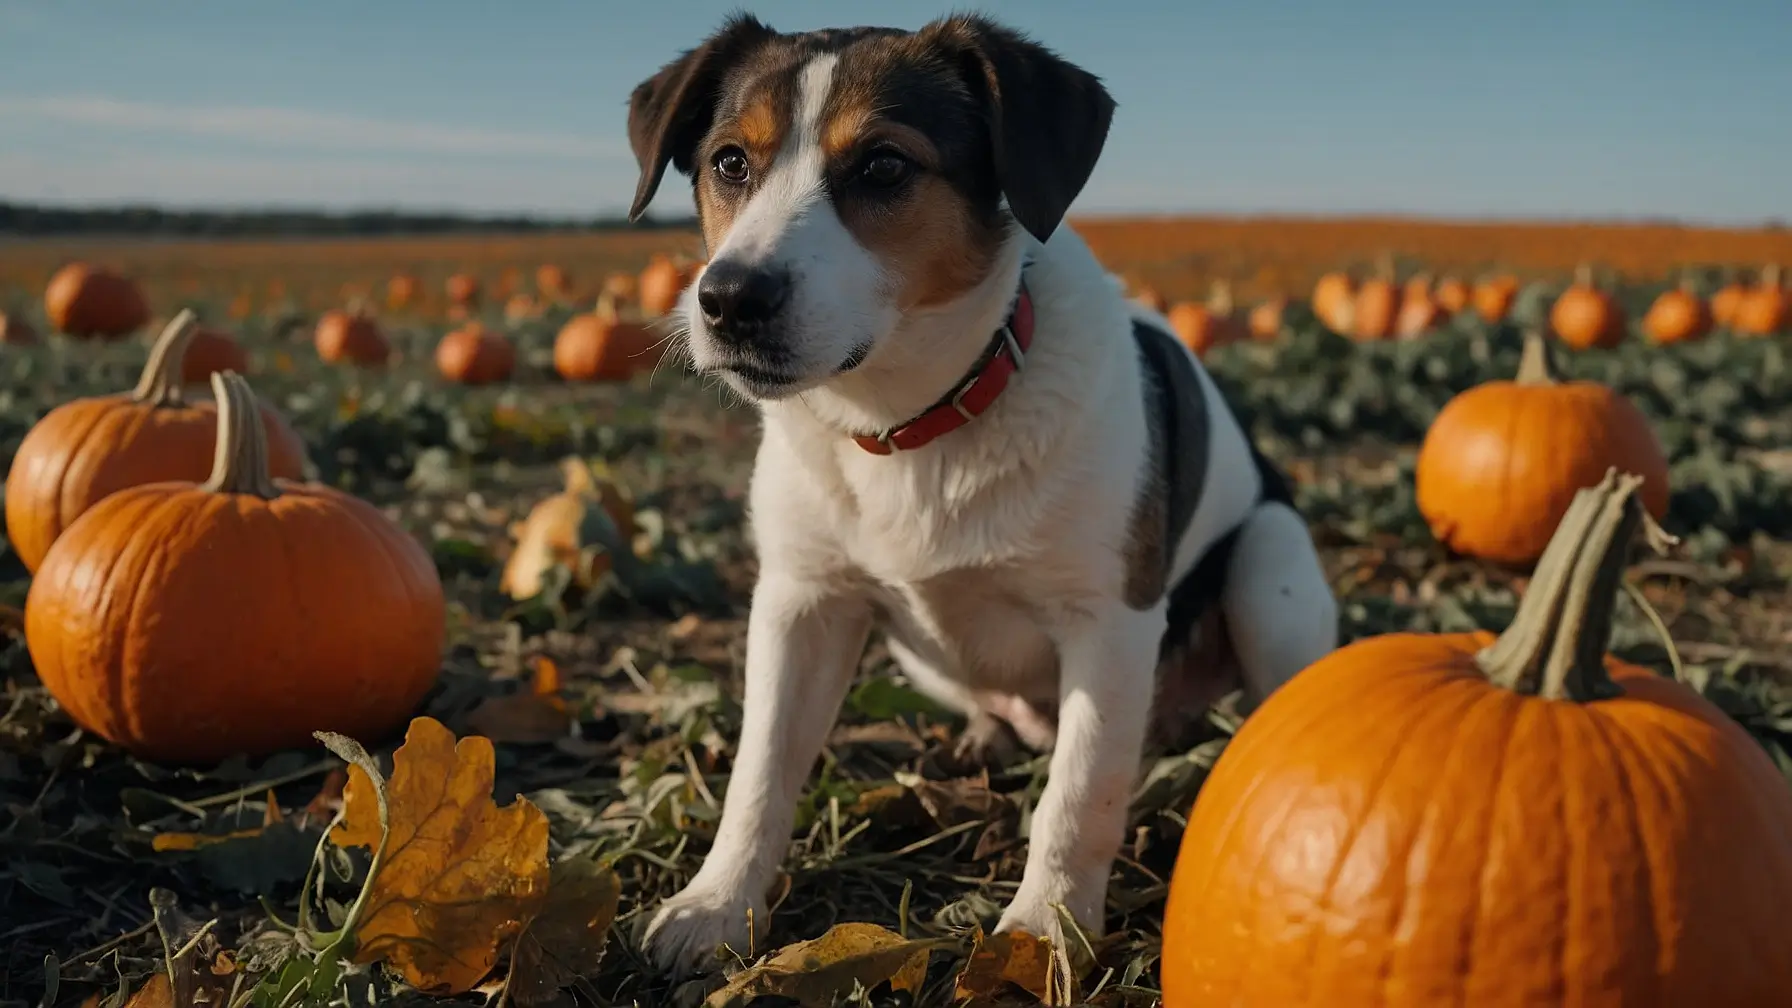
x,y
997,553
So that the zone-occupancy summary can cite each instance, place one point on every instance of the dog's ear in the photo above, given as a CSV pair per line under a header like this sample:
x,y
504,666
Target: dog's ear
x,y
669,113
1048,119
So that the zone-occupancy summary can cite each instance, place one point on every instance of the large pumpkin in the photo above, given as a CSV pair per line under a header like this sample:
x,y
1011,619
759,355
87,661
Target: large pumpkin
x,y
87,449
210,351
1436,819
352,337
1584,316
602,346
1678,315
1205,327
1501,461
187,622
1334,301
474,355
1766,309
84,300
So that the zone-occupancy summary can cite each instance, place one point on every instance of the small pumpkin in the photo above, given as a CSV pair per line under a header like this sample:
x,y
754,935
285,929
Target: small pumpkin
x,y
1419,310
1586,317
1206,327
558,531
1452,295
1494,296
661,283
621,288
15,331
352,337
1679,315
1766,309
1265,321
475,355
402,291
1726,301
1501,461
553,282
84,300
1377,306
521,307
1334,301
1151,298
164,618
87,449
210,351
602,346
462,290
1460,818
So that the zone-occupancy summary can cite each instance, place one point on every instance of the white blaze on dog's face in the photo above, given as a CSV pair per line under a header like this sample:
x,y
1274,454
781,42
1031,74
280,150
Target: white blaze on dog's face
x,y
847,178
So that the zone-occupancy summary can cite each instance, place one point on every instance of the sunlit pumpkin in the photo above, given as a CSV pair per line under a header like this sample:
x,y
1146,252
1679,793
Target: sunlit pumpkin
x,y
1501,461
557,533
1766,309
462,290
1265,321
208,352
1725,302
402,291
602,346
1334,301
1377,306
475,355
86,449
661,282
1494,296
1584,316
1452,295
190,621
1463,819
85,300
552,282
351,337
1419,311
1679,315
1203,327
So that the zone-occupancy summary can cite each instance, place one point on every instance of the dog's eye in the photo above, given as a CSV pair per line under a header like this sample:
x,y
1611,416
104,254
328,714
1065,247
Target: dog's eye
x,y
887,169
731,165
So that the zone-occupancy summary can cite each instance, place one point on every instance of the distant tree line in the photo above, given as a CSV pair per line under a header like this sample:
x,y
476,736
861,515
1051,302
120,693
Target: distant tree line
x,y
28,220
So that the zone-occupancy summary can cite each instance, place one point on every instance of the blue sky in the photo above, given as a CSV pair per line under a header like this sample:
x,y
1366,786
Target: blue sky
x,y
1590,108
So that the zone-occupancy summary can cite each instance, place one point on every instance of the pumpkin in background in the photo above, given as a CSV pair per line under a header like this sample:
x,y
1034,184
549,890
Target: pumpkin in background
x,y
1265,321
164,619
661,282
86,449
620,288
1584,316
521,307
1501,461
1494,296
210,351
474,355
1205,327
1679,315
1431,819
1377,306
352,337
15,331
84,300
1419,310
510,281
1452,294
1765,309
552,282
1151,298
1724,303
558,532
602,346
1334,301
462,290
402,291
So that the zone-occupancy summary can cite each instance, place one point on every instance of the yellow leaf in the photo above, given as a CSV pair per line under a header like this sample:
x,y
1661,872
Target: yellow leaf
x,y
816,972
1018,958
566,940
157,993
458,877
164,842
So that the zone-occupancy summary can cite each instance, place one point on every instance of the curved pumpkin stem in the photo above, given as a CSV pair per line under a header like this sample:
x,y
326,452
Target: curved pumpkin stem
x,y
160,382
1555,647
1533,363
240,459
606,308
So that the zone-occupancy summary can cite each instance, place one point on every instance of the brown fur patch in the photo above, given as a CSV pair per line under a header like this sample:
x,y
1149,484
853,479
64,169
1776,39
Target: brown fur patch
x,y
762,124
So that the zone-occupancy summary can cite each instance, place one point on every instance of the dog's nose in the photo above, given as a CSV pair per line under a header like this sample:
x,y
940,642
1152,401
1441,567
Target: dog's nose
x,y
738,301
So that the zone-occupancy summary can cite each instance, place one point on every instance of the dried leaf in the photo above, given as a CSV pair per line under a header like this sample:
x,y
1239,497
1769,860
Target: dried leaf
x,y
566,940
458,876
533,716
816,972
156,993
1018,958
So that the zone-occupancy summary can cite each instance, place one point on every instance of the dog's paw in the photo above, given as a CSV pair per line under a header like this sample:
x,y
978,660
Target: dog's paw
x,y
687,930
1035,909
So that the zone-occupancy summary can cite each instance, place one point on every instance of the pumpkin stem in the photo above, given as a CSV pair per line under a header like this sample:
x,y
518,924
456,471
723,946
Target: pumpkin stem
x,y
1555,647
606,306
1583,275
1219,300
160,383
240,459
1533,363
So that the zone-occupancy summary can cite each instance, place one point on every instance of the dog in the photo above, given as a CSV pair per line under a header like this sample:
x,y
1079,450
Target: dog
x,y
971,440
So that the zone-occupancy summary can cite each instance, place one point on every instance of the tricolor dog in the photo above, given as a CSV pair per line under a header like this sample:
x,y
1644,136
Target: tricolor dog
x,y
972,441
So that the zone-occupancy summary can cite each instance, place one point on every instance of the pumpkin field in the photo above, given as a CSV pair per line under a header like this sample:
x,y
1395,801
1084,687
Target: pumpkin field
x,y
454,503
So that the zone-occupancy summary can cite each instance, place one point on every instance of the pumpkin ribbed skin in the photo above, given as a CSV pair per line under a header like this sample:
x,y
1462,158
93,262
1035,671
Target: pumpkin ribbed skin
x,y
1585,317
1391,829
186,624
350,337
1493,298
1677,316
84,300
598,346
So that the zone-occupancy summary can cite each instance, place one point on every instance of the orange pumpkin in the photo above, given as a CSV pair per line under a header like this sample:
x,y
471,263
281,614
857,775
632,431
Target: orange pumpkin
x,y
462,290
662,282
1334,301
1265,322
555,533
1452,295
1726,301
601,346
1679,315
1502,460
1377,306
86,449
402,291
474,355
1766,309
1585,317
84,300
1430,819
1493,298
1151,298
208,352
521,307
352,337
15,331
621,288
1419,311
1205,327
150,608
552,282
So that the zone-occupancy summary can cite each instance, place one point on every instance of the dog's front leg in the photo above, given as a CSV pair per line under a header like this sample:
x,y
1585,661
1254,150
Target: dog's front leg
x,y
1106,661
804,640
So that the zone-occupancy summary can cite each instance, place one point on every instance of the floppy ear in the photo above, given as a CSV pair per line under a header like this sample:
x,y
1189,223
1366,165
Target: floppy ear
x,y
1048,118
669,113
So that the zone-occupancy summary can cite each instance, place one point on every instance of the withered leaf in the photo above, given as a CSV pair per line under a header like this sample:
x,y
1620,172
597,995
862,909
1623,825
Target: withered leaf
x,y
459,876
532,716
566,940
817,971
1018,958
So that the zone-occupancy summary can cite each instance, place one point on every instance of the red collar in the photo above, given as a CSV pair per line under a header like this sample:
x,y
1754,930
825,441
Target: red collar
x,y
1007,353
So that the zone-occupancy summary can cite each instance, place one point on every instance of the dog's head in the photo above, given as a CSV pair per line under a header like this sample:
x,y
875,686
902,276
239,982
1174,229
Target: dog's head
x,y
845,178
